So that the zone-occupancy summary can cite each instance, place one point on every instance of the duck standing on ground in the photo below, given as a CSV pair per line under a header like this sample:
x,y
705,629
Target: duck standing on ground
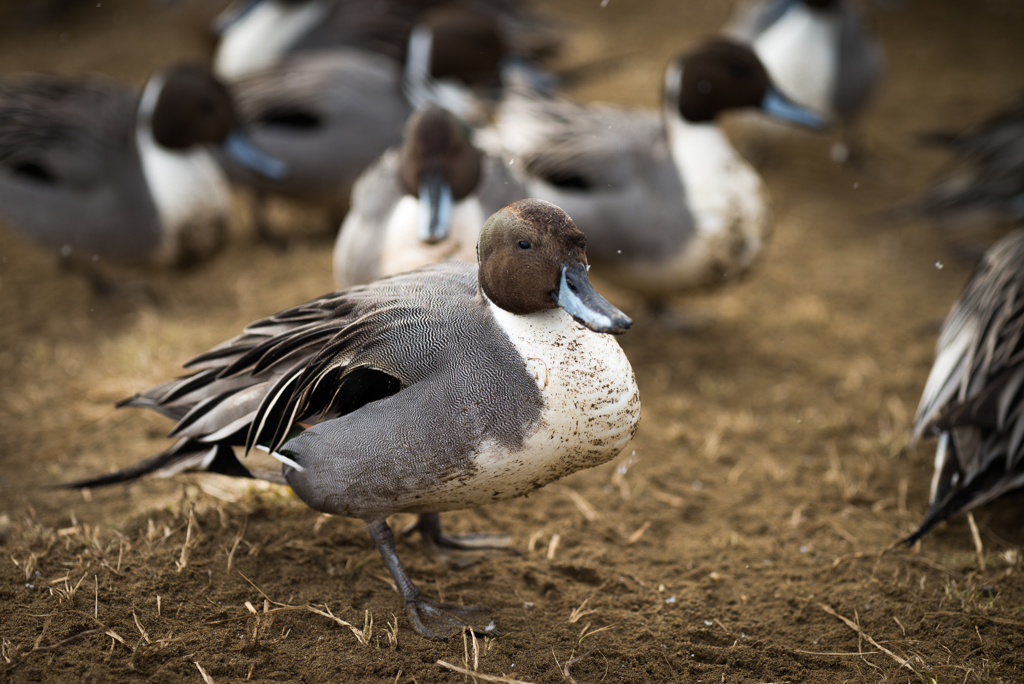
x,y
666,202
440,389
821,53
422,203
94,172
974,398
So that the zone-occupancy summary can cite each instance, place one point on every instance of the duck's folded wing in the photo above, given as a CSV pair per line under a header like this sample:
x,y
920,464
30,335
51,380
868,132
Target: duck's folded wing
x,y
61,129
313,362
303,89
974,398
568,144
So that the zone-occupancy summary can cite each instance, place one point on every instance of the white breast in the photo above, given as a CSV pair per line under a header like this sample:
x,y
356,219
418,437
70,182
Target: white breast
x,y
188,187
591,405
261,37
800,52
729,206
403,250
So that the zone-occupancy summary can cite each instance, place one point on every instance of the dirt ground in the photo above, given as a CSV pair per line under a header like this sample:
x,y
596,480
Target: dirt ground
x,y
739,538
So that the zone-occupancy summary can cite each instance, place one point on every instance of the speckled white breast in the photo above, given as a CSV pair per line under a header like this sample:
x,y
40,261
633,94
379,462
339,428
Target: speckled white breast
x,y
403,250
591,409
729,206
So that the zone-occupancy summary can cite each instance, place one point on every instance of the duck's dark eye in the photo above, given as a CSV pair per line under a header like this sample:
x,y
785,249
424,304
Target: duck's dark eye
x,y
523,244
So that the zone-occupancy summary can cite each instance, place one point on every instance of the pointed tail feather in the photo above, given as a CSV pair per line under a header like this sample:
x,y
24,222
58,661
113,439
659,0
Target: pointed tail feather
x,y
187,455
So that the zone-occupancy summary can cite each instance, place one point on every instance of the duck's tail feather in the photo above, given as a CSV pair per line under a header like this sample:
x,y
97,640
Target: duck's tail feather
x,y
188,455
997,478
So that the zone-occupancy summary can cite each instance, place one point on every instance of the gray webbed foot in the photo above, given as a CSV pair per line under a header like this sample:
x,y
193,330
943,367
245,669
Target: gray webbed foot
x,y
430,619
444,620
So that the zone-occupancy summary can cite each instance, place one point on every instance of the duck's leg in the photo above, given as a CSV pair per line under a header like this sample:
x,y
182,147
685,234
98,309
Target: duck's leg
x,y
430,619
429,525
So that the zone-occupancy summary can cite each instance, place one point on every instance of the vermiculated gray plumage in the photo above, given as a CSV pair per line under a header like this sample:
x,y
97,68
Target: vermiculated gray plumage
x,y
610,169
69,172
359,364
974,398
328,115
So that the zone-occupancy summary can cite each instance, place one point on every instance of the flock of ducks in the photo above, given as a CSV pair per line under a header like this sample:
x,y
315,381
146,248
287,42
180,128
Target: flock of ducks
x,y
468,359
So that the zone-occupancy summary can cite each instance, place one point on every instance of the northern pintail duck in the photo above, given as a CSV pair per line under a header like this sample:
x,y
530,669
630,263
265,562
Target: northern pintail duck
x,y
329,114
440,389
257,34
985,179
666,202
92,171
422,203
821,53
974,398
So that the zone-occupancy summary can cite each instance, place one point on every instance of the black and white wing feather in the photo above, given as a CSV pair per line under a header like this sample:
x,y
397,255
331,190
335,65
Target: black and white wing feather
x,y
313,362
974,398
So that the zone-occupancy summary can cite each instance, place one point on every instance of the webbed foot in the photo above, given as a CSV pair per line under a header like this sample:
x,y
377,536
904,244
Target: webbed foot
x,y
444,620
430,619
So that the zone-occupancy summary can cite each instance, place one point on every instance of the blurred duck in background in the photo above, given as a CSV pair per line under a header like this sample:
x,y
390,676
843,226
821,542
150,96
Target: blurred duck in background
x,y
819,52
985,179
974,399
94,172
256,34
666,202
328,114
422,203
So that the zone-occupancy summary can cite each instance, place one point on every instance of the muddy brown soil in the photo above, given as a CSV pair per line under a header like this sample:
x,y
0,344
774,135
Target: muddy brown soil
x,y
739,538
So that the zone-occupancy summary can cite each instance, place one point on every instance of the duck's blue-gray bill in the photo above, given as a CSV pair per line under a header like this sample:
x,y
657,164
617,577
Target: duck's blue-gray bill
x,y
241,149
579,298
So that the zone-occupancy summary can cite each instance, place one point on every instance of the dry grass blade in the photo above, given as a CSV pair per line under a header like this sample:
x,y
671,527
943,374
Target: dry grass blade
x,y
584,506
579,612
249,616
362,635
236,542
635,537
142,631
857,628
186,548
972,616
979,548
830,653
478,675
283,605
564,669
206,677
553,546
